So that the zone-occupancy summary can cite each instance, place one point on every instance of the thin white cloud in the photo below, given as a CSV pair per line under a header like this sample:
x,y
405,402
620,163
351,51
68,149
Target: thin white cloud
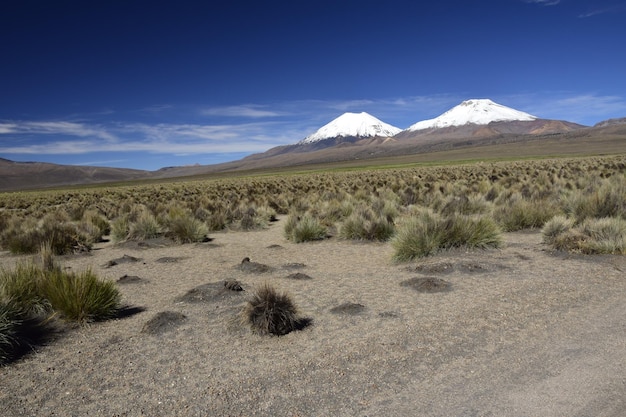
x,y
586,109
57,128
544,2
612,9
249,110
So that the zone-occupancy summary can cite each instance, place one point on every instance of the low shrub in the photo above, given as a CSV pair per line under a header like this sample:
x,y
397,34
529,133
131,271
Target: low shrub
x,y
270,312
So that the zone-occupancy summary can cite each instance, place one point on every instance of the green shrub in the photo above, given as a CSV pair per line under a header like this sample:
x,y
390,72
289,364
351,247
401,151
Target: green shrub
x,y
304,228
270,312
81,297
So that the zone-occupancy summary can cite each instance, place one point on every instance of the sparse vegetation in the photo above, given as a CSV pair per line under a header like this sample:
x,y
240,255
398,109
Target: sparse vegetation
x,y
360,204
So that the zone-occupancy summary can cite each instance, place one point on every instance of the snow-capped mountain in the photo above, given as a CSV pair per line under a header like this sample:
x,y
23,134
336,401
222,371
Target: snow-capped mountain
x,y
477,112
359,125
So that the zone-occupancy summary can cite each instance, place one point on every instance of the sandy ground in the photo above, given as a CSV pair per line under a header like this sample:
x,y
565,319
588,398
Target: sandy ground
x,y
522,332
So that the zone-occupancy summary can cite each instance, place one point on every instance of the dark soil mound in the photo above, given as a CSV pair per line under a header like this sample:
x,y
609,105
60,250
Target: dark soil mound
x,y
294,265
428,284
211,293
253,267
130,279
169,259
435,268
163,322
123,260
298,275
348,308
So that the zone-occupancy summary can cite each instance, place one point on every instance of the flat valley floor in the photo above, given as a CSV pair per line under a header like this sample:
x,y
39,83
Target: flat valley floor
x,y
520,331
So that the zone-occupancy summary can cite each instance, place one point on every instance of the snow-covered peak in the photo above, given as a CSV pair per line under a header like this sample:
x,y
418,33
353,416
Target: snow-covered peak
x,y
361,125
476,111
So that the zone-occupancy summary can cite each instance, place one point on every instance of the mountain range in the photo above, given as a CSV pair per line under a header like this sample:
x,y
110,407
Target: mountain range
x,y
360,136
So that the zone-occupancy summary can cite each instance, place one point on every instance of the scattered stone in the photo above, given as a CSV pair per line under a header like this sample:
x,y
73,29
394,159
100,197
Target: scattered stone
x,y
163,322
348,308
233,285
388,314
427,284
124,259
298,275
253,267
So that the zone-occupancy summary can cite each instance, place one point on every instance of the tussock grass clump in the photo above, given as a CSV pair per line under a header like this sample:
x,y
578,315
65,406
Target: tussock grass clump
x,y
417,236
426,233
81,297
606,199
145,227
9,325
183,227
65,237
120,229
556,227
364,224
518,213
22,287
304,228
269,311
593,236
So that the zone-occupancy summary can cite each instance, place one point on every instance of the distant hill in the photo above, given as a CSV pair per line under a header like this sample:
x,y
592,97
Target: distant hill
x,y
29,175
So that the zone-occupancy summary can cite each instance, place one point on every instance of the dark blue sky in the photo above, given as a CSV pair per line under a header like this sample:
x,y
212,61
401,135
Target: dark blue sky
x,y
147,84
